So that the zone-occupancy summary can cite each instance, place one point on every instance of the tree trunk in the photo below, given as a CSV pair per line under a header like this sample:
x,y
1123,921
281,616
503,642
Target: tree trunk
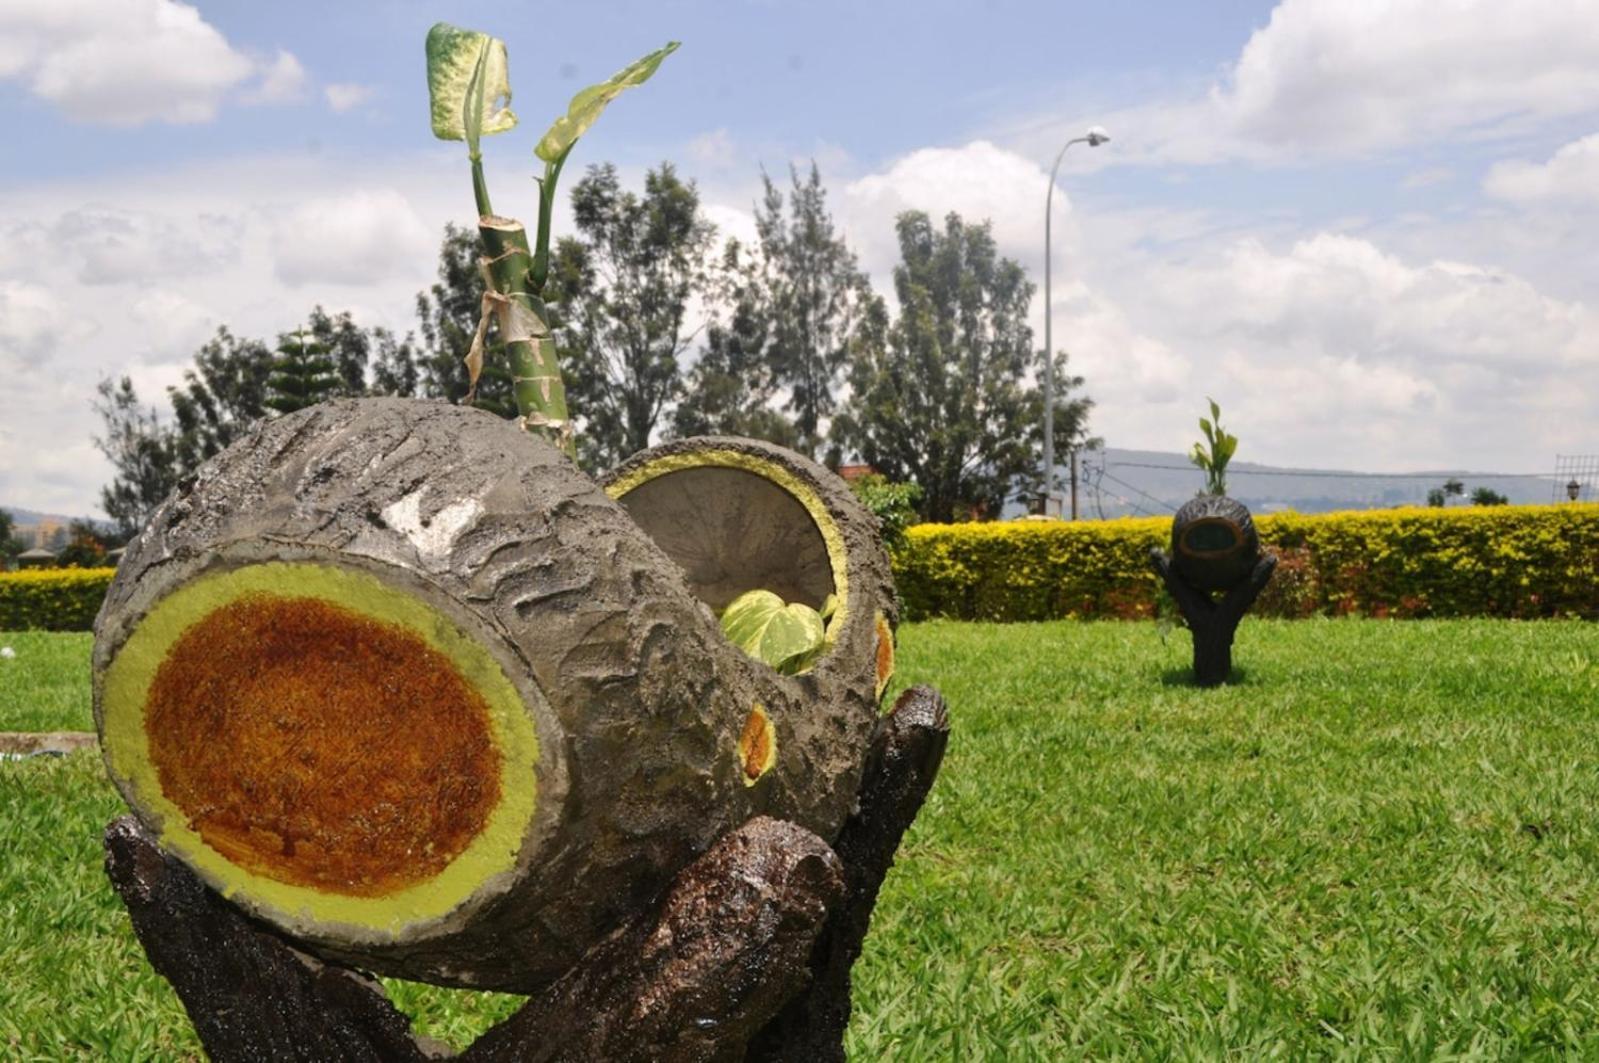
x,y
404,684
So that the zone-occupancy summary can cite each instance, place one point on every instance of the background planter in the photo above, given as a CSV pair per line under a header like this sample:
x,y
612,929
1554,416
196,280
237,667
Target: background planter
x,y
1214,573
399,680
1214,545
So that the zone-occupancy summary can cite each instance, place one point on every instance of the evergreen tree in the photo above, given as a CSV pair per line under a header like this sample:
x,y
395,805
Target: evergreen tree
x,y
142,451
1487,496
816,296
395,367
731,387
303,374
618,295
10,544
221,396
348,347
940,397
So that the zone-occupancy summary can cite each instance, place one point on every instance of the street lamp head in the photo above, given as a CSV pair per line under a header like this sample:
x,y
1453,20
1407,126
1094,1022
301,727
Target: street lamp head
x,y
1096,136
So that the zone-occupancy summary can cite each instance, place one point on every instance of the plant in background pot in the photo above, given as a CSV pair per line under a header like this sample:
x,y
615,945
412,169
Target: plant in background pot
x,y
1215,568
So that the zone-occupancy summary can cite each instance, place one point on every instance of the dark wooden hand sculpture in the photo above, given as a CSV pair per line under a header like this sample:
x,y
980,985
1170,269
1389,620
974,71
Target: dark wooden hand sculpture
x,y
1213,622
746,955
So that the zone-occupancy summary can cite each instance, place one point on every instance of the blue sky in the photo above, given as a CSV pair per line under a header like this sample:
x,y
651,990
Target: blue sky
x,y
1365,228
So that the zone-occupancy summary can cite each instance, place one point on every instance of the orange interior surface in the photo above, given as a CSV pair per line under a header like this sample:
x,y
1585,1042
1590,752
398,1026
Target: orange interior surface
x,y
320,747
885,654
755,744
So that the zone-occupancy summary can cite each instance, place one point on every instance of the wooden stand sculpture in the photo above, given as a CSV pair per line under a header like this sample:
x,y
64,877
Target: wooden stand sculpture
x,y
769,916
418,697
1215,551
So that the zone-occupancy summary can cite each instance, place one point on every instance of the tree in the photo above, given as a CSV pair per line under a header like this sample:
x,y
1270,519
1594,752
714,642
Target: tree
x,y
1435,496
619,294
731,387
302,373
395,369
348,347
894,506
816,297
1487,496
219,399
10,545
85,548
143,452
448,315
940,397
221,396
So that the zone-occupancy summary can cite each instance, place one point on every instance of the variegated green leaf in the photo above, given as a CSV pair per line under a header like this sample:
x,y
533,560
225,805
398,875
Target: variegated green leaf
x,y
587,105
469,86
788,637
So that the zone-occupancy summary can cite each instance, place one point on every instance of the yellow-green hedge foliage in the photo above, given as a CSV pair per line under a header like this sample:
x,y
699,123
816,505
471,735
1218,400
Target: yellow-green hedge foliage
x,y
55,599
1508,561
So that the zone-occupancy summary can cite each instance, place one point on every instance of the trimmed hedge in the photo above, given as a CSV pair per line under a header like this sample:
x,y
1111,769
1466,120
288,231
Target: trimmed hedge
x,y
55,599
1505,561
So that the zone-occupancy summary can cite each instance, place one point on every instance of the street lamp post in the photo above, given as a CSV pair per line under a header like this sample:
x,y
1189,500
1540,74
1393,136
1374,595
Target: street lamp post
x,y
1095,136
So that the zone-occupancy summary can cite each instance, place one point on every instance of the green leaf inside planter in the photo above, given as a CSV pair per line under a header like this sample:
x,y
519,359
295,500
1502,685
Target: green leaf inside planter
x,y
788,636
587,105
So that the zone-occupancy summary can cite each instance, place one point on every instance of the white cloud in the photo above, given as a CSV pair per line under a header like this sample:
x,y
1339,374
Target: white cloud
x,y
282,81
1325,349
1358,76
1334,352
1433,175
34,322
172,322
356,238
128,62
347,96
187,248
1571,176
713,149
978,181
103,245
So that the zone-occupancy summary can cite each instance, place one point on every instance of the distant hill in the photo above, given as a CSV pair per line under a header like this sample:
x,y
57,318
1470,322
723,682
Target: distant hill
x,y
30,517
1116,482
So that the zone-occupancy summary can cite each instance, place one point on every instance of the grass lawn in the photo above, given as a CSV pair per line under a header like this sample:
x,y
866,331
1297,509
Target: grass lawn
x,y
1380,842
45,687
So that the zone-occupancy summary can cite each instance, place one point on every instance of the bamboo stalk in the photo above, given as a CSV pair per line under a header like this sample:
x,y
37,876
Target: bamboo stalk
x,y
524,324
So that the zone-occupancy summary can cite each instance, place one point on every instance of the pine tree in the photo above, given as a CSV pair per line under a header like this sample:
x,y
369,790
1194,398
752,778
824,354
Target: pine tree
x,y
731,387
940,397
303,374
618,296
817,297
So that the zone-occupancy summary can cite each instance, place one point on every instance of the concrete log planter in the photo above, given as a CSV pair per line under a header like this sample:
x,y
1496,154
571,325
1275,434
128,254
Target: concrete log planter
x,y
400,682
1215,571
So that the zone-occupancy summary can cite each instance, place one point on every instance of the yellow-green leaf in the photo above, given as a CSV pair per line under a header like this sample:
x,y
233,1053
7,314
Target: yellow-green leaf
x,y
587,105
469,84
786,636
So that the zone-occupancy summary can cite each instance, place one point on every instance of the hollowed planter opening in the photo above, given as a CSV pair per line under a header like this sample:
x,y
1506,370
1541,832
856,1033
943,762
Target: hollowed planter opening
x,y
323,746
734,530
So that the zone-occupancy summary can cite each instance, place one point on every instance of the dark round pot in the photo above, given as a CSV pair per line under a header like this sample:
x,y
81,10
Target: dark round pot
x,y
1214,545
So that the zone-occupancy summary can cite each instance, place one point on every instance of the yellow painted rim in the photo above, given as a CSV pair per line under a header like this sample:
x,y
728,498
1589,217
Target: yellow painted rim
x,y
832,537
492,853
